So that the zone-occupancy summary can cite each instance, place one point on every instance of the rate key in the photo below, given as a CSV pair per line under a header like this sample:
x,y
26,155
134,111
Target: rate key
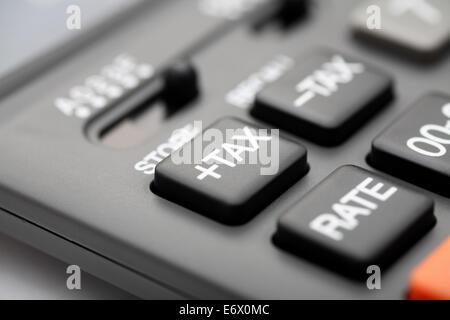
x,y
355,219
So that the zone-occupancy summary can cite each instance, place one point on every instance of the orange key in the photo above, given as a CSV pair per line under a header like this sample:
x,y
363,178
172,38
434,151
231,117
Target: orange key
x,y
431,279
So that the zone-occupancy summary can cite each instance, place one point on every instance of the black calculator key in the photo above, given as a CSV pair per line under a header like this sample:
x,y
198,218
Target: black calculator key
x,y
325,97
285,12
230,171
181,84
419,28
417,146
355,219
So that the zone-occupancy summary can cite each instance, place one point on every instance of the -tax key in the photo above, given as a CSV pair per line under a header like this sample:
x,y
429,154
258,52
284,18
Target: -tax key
x,y
325,97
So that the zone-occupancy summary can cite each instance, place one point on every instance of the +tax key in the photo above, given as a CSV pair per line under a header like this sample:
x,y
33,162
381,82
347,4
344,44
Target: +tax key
x,y
231,171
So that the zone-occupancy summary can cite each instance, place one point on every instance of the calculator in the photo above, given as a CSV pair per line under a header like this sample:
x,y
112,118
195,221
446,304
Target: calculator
x,y
231,149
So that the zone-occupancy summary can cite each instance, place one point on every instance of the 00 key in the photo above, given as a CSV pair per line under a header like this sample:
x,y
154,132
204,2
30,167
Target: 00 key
x,y
434,138
416,147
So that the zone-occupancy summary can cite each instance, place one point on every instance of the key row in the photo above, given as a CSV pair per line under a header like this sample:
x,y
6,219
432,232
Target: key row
x,y
417,29
353,219
326,96
206,174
